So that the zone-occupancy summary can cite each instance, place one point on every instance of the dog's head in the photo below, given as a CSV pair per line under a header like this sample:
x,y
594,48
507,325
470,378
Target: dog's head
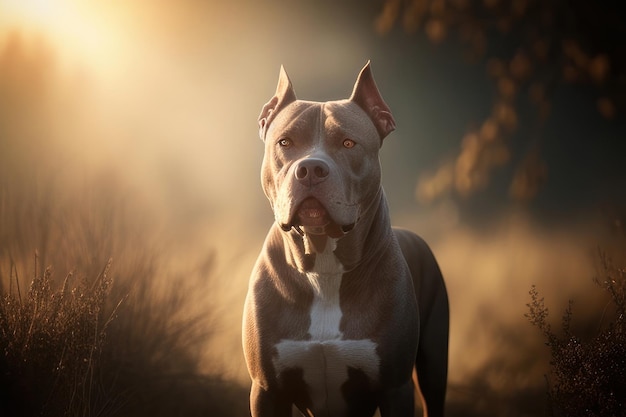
x,y
321,169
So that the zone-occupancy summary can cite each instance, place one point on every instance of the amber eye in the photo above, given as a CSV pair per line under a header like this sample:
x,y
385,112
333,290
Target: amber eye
x,y
348,143
285,142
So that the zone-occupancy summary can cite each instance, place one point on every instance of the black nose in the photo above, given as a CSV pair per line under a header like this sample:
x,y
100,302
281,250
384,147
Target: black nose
x,y
311,171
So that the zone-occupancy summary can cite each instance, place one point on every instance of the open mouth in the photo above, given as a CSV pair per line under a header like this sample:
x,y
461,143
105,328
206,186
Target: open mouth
x,y
312,218
312,213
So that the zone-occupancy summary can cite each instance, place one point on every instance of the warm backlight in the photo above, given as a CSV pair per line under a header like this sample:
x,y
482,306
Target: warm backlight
x,y
78,30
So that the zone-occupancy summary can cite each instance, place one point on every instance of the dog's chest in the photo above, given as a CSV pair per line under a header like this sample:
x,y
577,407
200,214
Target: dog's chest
x,y
326,357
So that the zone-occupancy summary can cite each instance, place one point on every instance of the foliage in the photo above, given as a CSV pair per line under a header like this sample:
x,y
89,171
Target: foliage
x,y
529,49
588,377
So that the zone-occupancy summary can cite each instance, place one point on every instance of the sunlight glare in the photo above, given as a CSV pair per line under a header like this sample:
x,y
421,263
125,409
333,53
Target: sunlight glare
x,y
79,31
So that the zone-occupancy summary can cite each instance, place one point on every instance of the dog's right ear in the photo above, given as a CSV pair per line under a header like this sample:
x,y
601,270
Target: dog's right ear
x,y
367,96
283,96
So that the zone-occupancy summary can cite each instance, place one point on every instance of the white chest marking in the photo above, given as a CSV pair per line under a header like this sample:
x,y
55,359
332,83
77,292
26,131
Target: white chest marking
x,y
325,358
325,280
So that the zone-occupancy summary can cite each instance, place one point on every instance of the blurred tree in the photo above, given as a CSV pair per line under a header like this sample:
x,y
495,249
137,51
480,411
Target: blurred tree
x,y
529,48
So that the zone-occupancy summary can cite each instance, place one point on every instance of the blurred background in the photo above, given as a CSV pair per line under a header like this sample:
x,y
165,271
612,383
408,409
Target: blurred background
x,y
128,130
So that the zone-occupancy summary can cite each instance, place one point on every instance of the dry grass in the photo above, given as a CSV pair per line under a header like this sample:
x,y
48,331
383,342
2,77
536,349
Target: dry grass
x,y
121,338
52,341
110,338
89,347
588,374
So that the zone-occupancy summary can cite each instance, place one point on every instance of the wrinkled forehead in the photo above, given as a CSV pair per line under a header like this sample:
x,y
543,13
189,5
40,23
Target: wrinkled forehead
x,y
298,117
349,118
333,117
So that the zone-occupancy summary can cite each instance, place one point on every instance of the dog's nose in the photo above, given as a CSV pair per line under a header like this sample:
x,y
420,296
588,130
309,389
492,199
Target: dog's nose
x,y
311,171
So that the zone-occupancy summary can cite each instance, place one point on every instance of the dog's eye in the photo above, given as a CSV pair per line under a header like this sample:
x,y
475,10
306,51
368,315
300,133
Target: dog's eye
x,y
348,143
285,142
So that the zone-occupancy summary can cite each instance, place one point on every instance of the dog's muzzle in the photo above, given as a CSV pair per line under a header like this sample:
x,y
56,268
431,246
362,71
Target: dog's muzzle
x,y
311,217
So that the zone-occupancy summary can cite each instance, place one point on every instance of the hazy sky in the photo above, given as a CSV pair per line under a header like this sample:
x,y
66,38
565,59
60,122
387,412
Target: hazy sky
x,y
165,95
193,75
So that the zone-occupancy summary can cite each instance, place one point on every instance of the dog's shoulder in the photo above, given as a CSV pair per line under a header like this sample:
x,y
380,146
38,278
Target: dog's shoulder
x,y
412,244
427,277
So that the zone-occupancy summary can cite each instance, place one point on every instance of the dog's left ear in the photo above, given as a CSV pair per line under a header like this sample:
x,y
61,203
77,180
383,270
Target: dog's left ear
x,y
283,96
367,96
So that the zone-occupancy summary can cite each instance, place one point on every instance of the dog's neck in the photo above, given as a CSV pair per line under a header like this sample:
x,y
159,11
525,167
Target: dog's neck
x,y
369,235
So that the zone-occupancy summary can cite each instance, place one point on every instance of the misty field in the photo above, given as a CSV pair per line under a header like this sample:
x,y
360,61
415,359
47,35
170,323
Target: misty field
x,y
126,336
104,314
109,337
129,225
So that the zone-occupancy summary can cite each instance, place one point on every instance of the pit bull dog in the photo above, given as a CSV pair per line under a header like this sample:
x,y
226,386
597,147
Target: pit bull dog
x,y
341,307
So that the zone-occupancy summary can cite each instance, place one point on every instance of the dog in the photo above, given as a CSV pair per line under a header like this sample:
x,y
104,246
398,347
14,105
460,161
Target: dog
x,y
344,314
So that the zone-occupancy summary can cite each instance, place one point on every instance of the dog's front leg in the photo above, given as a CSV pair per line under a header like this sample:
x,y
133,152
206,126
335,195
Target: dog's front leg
x,y
398,402
267,403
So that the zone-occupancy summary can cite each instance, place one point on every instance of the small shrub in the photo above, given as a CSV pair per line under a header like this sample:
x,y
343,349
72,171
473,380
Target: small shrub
x,y
50,343
588,377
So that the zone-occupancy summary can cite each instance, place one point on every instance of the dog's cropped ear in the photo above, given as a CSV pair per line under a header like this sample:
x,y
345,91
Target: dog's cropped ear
x,y
283,96
367,96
